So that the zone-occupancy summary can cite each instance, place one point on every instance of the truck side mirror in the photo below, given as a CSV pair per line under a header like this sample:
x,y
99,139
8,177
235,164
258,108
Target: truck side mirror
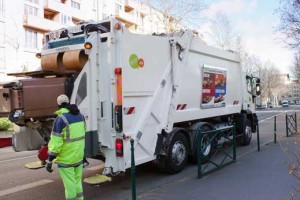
x,y
257,89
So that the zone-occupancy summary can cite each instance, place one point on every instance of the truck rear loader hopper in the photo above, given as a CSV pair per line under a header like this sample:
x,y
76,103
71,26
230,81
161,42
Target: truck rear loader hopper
x,y
157,90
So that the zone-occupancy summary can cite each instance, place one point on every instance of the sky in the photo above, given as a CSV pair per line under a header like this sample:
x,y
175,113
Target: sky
x,y
255,21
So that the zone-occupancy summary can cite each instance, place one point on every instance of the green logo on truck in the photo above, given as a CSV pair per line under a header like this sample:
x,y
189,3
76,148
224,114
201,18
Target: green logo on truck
x,y
136,62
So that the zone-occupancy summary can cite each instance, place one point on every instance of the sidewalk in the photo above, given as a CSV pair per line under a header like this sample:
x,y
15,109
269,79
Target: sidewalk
x,y
260,175
257,175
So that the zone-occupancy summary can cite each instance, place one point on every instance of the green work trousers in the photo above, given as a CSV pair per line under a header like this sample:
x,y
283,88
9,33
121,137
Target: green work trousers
x,y
72,177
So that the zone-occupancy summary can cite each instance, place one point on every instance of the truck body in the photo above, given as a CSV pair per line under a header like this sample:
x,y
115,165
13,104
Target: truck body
x,y
156,90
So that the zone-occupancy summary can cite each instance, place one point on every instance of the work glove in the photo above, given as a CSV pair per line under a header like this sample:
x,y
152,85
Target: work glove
x,y
85,162
49,167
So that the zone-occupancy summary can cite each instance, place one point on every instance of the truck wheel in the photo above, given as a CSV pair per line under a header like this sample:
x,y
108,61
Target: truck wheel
x,y
246,138
177,155
205,142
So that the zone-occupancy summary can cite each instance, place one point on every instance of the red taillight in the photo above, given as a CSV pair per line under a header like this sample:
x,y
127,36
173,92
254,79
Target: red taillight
x,y
119,147
118,71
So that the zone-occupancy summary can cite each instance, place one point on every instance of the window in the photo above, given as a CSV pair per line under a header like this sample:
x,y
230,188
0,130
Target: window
x,y
65,19
2,60
33,1
29,10
118,7
75,4
1,8
82,90
30,39
2,33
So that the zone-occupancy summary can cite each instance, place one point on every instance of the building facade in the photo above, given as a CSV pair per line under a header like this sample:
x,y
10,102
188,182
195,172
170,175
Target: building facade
x,y
24,22
292,93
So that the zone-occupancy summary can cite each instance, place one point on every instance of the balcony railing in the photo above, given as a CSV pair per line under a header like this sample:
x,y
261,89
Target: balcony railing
x,y
131,4
57,7
39,23
53,6
126,17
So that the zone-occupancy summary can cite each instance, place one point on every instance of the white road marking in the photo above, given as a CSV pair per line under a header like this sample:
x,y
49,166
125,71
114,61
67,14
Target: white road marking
x,y
270,117
24,187
17,158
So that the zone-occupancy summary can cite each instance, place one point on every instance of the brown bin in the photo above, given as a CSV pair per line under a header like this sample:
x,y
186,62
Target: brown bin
x,y
36,97
9,101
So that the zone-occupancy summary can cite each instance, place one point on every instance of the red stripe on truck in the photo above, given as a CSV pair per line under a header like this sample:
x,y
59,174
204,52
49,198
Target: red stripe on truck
x,y
181,106
129,110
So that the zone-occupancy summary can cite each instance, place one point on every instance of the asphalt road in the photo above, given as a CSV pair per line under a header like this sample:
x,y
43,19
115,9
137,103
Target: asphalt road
x,y
17,182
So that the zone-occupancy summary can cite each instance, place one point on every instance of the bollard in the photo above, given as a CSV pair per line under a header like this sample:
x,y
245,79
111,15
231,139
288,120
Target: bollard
x,y
275,136
133,184
258,142
234,143
286,125
296,122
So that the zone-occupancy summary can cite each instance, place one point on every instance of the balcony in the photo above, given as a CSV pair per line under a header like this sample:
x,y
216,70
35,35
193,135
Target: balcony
x,y
57,7
131,4
126,17
53,6
40,24
75,13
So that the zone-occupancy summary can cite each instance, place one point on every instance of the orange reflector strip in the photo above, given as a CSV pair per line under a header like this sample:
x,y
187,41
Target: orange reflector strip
x,y
118,72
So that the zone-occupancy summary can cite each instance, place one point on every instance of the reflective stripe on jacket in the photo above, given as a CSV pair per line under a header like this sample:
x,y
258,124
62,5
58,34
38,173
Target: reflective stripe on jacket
x,y
67,139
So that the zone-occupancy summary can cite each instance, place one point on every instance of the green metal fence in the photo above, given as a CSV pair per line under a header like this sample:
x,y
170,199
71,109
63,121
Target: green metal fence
x,y
133,179
291,124
223,142
275,129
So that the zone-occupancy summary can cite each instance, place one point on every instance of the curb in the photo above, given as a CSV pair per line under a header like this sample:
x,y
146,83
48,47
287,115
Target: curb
x,y
5,138
5,142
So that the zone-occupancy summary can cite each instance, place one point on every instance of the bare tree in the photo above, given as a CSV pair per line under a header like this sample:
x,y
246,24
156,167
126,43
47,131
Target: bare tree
x,y
176,13
289,11
295,68
271,83
223,34
250,63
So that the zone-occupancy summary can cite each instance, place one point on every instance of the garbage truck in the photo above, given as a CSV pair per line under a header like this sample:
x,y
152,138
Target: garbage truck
x,y
155,89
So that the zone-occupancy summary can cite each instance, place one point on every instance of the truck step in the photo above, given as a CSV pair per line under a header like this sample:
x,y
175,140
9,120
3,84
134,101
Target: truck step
x,y
35,165
97,179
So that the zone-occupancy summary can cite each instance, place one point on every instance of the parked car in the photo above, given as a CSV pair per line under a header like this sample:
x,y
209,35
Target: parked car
x,y
270,105
285,103
261,106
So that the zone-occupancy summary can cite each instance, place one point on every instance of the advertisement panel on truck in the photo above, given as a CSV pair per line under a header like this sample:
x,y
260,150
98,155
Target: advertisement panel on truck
x,y
213,87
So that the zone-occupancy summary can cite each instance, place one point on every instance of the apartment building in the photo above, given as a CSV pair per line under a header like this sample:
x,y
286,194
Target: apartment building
x,y
24,22
292,93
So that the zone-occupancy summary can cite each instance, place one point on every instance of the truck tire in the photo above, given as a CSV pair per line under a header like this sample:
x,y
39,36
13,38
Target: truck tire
x,y
208,151
247,135
177,154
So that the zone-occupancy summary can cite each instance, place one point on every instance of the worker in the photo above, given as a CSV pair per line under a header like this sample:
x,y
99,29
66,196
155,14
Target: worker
x,y
66,147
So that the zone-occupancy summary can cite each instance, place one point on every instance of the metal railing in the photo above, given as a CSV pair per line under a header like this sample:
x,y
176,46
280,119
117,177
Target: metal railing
x,y
223,142
291,124
133,182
